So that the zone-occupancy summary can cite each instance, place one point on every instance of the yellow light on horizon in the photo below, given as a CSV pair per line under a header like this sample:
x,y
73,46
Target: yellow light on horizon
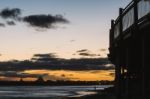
x,y
86,75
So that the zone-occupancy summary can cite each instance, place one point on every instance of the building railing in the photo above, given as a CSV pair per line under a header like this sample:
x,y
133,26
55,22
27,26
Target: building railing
x,y
128,19
143,8
133,12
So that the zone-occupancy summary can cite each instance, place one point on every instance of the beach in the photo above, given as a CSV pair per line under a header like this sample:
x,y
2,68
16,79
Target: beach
x,y
55,92
101,94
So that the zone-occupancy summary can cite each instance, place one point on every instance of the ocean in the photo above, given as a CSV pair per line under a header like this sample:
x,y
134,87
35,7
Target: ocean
x,y
47,92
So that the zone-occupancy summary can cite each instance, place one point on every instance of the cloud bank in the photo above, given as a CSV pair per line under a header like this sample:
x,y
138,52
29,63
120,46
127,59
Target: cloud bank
x,y
58,64
20,75
46,21
86,53
10,13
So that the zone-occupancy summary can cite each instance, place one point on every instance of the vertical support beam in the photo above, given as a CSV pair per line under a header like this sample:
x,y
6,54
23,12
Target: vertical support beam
x,y
121,85
143,66
135,20
111,32
136,36
128,64
118,75
147,60
135,12
112,24
120,20
118,60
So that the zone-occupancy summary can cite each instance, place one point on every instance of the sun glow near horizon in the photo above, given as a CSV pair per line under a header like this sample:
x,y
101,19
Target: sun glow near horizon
x,y
86,75
66,75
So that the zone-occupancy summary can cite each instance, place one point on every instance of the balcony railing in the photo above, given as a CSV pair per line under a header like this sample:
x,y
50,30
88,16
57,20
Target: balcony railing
x,y
143,8
129,16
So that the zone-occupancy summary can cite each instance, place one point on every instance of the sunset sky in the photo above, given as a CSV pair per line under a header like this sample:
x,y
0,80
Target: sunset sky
x,y
87,28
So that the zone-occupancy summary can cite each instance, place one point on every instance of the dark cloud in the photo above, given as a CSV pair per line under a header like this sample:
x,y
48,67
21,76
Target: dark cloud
x,y
44,21
86,52
40,21
58,64
45,57
13,13
83,50
11,23
49,55
2,25
19,74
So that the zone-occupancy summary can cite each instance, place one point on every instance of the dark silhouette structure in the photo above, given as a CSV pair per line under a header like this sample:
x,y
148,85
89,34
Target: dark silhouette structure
x,y
40,79
41,82
130,50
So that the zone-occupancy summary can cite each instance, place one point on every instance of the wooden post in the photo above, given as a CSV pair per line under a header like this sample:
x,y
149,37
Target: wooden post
x,y
143,66
112,24
118,75
128,64
120,20
118,60
112,32
135,12
120,48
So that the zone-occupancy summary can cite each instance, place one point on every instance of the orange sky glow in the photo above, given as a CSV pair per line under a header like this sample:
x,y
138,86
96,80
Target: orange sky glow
x,y
88,75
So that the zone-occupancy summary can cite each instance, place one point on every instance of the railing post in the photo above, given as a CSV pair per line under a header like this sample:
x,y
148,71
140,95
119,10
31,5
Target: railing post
x,y
112,24
135,12
143,66
112,32
120,20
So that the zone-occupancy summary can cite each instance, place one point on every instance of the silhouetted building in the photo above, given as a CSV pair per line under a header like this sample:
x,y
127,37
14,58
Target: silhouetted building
x,y
40,79
21,79
130,50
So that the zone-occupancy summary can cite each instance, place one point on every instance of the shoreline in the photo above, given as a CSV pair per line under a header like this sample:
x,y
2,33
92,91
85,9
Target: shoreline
x,y
108,93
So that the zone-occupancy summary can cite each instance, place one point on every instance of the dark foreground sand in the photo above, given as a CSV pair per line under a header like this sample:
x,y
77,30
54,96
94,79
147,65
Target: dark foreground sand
x,y
106,94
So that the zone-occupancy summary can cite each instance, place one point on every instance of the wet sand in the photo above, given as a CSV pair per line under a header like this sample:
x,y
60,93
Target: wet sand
x,y
97,96
105,94
100,94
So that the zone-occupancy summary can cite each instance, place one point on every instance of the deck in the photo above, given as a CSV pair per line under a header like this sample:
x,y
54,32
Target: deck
x,y
129,50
